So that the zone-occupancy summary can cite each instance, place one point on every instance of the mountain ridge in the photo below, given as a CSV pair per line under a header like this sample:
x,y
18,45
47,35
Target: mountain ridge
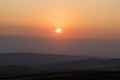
x,y
36,59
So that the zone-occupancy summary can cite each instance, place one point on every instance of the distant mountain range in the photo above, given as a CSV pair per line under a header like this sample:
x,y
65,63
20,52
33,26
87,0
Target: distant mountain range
x,y
50,62
32,59
89,64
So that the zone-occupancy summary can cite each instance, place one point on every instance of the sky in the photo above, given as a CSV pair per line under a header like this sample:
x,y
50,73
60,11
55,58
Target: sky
x,y
91,20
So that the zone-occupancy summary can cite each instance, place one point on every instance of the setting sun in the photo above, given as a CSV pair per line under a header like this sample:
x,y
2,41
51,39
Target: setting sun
x,y
58,30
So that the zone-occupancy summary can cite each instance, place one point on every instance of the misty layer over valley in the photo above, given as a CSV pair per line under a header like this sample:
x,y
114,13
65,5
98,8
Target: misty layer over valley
x,y
73,46
52,62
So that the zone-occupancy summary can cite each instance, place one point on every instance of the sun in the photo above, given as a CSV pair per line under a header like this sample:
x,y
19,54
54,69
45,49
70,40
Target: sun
x,y
58,30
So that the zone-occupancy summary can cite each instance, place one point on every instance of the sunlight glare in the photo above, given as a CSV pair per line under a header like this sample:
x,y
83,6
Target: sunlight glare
x,y
58,30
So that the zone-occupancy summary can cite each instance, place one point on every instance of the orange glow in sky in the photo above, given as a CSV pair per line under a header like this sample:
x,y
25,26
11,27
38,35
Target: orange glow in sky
x,y
77,18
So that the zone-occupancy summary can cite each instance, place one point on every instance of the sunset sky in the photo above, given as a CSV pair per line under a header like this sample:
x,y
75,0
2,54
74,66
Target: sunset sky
x,y
88,18
81,19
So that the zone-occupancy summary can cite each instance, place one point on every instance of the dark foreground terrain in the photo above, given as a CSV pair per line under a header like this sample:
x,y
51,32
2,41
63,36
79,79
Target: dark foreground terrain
x,y
28,66
77,75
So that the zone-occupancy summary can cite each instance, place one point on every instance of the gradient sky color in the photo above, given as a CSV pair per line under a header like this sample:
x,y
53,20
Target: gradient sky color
x,y
88,18
89,27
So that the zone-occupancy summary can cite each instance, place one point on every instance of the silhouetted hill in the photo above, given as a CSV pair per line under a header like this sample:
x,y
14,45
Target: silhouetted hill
x,y
89,64
18,62
30,59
